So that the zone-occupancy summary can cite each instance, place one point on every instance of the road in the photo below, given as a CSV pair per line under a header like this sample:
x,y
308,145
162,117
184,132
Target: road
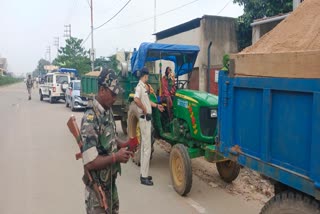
x,y
40,174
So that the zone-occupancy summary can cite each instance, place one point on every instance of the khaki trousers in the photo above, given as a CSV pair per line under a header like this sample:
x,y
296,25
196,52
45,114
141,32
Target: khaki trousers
x,y
145,128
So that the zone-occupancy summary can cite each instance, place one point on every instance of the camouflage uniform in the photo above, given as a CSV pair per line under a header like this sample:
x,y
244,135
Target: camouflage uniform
x,y
98,132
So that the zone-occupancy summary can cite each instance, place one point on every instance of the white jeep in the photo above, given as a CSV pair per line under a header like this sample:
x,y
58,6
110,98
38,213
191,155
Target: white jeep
x,y
54,86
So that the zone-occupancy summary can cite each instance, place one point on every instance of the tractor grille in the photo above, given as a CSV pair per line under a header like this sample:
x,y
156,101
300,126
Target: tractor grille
x,y
208,125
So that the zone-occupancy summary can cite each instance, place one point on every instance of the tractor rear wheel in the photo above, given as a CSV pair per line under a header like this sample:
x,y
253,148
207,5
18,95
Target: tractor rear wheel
x,y
180,169
228,170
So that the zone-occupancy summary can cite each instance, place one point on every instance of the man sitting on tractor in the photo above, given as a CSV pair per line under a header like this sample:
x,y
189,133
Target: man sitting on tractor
x,y
168,89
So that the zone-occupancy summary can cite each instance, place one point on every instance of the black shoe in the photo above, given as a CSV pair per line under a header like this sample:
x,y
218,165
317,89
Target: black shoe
x,y
149,177
146,181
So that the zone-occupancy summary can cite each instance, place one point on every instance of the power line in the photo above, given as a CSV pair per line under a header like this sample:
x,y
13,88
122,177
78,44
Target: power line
x,y
146,19
224,7
152,17
86,39
113,16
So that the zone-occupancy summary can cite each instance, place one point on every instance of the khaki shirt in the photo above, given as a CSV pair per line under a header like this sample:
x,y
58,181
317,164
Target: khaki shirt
x,y
142,94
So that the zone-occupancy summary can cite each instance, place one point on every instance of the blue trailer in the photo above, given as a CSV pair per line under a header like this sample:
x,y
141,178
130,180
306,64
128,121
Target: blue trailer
x,y
272,125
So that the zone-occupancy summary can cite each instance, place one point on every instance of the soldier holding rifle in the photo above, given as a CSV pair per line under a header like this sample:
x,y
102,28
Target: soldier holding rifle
x,y
102,151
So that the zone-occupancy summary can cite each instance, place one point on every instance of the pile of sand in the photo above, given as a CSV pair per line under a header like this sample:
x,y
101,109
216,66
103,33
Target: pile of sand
x,y
300,31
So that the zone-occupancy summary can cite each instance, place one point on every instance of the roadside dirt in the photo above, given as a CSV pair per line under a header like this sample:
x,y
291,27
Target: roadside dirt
x,y
250,184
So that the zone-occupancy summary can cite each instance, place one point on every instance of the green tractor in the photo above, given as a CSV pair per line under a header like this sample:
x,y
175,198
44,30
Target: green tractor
x,y
192,129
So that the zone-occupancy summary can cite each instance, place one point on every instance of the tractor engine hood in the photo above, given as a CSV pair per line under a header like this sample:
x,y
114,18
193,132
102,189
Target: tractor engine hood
x,y
198,97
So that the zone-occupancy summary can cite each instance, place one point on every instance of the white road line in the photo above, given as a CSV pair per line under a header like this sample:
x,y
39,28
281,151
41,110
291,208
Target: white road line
x,y
196,206
193,203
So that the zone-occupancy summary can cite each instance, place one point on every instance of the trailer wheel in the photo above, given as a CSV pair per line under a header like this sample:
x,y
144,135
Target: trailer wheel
x,y
180,169
290,202
133,130
228,170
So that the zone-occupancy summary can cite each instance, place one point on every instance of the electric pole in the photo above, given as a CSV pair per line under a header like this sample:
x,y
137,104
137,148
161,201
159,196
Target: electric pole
x,y
67,31
92,52
155,17
56,42
48,51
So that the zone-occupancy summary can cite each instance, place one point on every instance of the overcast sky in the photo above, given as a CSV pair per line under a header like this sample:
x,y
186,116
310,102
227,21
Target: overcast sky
x,y
29,27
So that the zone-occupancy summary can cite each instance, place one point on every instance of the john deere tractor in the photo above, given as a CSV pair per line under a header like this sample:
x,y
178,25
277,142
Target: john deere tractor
x,y
192,129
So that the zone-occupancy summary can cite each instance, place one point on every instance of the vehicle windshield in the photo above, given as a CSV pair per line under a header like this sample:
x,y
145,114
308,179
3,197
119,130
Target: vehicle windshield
x,y
61,79
76,86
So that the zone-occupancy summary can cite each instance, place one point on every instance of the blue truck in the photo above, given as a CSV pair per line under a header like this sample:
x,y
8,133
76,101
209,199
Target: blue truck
x,y
272,125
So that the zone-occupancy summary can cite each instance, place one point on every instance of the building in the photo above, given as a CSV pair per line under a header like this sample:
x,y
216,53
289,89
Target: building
x,y
3,66
266,24
221,31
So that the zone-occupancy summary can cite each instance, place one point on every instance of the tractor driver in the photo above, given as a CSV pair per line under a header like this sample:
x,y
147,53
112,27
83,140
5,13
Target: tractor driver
x,y
168,89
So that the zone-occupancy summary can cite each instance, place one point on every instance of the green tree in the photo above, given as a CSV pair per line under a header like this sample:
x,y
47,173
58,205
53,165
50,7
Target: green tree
x,y
73,56
256,9
40,67
109,62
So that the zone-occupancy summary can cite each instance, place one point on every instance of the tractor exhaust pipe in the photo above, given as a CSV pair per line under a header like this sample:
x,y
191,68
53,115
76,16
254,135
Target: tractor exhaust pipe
x,y
208,68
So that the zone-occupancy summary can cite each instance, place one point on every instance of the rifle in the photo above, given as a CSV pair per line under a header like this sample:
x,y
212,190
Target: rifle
x,y
74,129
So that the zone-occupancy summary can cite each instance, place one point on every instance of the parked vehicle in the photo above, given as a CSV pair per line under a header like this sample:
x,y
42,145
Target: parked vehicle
x,y
54,86
73,98
192,129
272,125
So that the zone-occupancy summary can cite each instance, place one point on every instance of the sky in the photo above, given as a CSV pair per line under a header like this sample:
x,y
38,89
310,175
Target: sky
x,y
28,28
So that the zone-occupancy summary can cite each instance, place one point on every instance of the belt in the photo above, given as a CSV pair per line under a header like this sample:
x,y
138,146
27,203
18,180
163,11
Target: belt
x,y
147,116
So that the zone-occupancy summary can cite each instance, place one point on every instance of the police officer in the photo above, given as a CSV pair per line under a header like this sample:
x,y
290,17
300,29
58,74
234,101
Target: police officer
x,y
102,151
141,98
29,84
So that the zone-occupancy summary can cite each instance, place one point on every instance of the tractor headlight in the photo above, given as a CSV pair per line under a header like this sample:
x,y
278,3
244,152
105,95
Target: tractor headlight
x,y
213,113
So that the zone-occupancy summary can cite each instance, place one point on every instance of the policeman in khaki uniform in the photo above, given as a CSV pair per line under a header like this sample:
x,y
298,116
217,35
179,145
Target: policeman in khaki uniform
x,y
144,104
102,151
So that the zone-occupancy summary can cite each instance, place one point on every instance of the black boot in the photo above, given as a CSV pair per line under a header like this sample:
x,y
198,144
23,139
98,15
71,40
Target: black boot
x,y
146,181
149,177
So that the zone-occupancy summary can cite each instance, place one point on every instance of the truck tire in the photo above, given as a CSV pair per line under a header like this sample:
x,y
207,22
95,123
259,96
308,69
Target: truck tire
x,y
228,170
41,96
51,99
133,130
180,169
290,202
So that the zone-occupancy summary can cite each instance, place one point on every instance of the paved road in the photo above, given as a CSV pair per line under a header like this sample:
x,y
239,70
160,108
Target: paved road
x,y
40,175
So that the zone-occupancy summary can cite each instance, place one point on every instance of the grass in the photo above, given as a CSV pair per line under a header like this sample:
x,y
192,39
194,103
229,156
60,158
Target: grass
x,y
6,80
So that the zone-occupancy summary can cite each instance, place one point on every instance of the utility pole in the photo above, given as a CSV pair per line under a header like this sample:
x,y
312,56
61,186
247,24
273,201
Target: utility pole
x,y
67,31
92,52
48,51
56,42
155,17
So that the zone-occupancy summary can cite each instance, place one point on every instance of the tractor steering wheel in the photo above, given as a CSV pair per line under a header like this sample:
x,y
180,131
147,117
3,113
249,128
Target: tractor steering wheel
x,y
181,84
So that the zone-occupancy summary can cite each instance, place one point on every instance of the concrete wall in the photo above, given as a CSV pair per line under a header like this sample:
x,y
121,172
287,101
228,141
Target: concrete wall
x,y
221,31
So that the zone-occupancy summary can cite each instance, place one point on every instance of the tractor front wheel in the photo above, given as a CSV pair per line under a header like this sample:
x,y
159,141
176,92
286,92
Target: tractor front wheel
x,y
228,170
180,169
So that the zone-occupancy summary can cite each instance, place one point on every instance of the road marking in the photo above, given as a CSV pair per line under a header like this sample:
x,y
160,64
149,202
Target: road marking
x,y
193,203
196,206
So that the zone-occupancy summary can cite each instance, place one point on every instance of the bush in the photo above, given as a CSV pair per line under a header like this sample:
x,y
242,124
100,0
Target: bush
x,y
5,80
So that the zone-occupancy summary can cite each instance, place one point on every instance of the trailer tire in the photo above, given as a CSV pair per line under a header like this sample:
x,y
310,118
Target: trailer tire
x,y
180,169
290,202
133,130
228,170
